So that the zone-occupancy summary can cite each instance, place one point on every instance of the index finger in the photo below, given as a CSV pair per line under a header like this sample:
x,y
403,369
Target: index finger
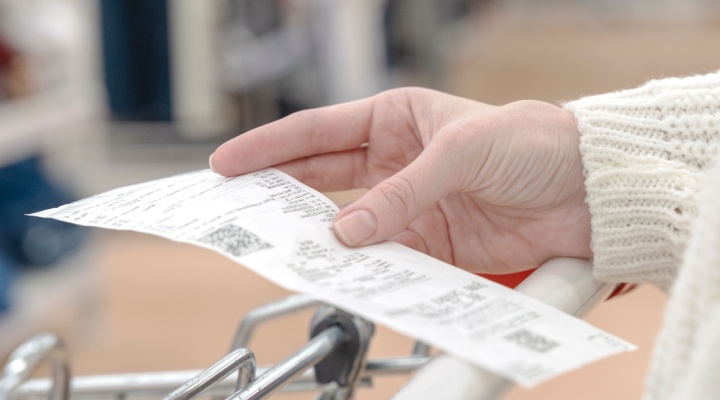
x,y
306,133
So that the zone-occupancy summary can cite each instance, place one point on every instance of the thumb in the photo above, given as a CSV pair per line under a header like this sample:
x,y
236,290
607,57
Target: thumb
x,y
392,205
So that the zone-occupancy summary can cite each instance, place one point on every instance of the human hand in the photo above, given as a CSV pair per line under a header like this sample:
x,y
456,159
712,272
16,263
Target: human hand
x,y
486,188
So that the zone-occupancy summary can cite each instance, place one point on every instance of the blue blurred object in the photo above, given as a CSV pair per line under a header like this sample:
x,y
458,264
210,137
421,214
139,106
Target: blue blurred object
x,y
27,242
136,59
7,275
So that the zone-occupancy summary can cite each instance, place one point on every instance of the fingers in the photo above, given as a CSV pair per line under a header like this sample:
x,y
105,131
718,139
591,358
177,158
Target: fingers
x,y
330,172
306,133
392,205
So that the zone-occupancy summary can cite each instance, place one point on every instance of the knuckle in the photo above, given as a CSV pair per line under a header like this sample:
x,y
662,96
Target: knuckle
x,y
399,194
391,97
401,95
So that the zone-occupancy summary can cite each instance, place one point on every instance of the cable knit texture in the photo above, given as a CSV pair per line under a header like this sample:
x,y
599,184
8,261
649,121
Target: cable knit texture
x,y
648,154
686,362
644,152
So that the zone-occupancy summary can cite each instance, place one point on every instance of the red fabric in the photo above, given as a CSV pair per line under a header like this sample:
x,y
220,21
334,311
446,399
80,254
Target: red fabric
x,y
509,280
621,289
6,54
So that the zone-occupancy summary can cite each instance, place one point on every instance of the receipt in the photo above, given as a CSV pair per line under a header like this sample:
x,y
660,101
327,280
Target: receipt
x,y
281,229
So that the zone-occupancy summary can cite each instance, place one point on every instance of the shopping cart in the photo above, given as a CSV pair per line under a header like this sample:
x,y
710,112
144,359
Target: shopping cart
x,y
333,363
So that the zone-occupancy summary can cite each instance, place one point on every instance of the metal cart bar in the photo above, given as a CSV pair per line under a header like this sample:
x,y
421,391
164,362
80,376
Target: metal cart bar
x,y
157,384
276,309
26,358
240,359
563,283
278,376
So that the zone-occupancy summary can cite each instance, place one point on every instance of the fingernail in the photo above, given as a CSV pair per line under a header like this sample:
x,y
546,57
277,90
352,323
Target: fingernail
x,y
210,162
355,227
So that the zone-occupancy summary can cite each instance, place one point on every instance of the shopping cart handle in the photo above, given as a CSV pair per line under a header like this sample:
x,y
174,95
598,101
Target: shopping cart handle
x,y
564,283
23,362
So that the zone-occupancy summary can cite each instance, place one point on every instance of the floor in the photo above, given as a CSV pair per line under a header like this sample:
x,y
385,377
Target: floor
x,y
148,304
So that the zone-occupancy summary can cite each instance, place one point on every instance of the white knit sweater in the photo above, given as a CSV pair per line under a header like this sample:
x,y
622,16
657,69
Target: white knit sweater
x,y
654,197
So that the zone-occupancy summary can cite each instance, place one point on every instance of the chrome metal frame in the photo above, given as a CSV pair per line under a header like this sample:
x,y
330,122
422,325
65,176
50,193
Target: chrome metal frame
x,y
565,284
28,356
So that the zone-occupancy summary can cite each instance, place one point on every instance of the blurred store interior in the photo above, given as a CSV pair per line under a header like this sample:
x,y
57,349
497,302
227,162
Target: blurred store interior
x,y
99,94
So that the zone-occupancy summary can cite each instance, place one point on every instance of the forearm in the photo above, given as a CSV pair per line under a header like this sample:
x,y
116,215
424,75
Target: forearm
x,y
645,152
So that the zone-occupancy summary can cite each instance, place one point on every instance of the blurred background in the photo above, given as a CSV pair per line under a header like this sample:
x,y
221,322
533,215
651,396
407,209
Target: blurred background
x,y
98,94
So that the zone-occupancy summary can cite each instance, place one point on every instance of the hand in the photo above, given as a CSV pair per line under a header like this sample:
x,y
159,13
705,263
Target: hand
x,y
488,189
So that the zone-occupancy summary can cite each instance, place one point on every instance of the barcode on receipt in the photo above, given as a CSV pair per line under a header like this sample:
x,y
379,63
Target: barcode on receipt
x,y
531,341
235,240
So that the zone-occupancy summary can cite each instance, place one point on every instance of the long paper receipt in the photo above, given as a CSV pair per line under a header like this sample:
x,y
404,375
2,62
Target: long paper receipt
x,y
281,229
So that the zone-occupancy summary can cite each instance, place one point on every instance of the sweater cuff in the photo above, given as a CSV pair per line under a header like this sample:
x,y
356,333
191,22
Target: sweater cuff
x,y
644,154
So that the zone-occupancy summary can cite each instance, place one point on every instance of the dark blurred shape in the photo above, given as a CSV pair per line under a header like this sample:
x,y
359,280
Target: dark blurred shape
x,y
410,24
29,242
416,33
7,275
136,58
